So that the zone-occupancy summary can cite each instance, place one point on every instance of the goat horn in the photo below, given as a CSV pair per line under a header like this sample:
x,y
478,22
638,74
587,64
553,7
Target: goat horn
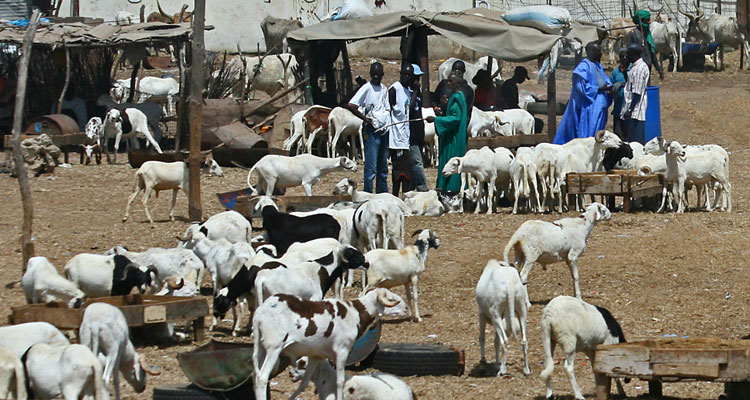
x,y
128,267
384,300
599,136
148,369
185,238
417,232
174,284
162,11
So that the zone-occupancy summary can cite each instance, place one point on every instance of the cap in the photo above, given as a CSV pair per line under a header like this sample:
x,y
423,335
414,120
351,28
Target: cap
x,y
417,70
635,47
521,72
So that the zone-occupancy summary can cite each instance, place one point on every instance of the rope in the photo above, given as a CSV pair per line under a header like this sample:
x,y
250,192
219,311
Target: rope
x,y
396,123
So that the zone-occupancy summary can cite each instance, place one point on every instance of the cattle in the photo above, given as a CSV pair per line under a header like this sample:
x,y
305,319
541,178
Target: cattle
x,y
717,28
618,31
667,40
268,74
275,31
183,16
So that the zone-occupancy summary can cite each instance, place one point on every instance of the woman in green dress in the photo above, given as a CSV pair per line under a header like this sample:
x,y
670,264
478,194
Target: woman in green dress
x,y
451,131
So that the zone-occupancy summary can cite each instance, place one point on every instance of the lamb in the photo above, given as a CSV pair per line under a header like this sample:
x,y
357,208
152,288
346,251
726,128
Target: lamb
x,y
341,121
431,139
378,224
282,172
349,186
487,121
18,338
127,123
357,387
94,139
389,268
157,176
424,203
523,171
287,325
551,242
576,326
229,225
304,125
12,376
99,275
284,229
503,302
70,371
519,121
42,284
480,165
104,331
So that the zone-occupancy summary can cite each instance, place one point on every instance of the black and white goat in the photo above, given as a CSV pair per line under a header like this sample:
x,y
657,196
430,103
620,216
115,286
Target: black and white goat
x,y
293,327
283,229
99,275
576,326
169,263
127,123
105,332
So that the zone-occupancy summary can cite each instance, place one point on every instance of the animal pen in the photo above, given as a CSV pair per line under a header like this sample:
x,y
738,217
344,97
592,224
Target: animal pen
x,y
479,29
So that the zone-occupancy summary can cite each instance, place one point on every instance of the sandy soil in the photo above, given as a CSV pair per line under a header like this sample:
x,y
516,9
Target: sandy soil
x,y
659,274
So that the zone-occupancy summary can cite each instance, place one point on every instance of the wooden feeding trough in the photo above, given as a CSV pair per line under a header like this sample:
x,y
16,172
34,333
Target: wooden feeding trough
x,y
510,142
625,183
136,157
139,310
674,360
245,204
62,130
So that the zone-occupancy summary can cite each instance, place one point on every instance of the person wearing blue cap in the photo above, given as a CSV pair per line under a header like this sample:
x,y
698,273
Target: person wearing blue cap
x,y
416,133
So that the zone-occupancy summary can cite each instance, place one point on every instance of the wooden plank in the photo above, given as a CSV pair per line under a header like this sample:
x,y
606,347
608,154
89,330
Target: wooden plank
x,y
738,365
687,370
699,356
510,142
628,360
308,203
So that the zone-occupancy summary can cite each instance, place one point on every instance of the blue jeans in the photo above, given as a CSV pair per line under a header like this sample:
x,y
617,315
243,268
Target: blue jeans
x,y
420,180
636,131
376,160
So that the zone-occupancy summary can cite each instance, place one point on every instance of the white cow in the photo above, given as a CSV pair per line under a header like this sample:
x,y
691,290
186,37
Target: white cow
x,y
270,74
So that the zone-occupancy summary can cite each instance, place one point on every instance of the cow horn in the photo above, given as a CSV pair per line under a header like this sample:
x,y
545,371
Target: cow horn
x,y
635,7
384,300
599,136
685,13
162,11
700,13
182,15
147,368
185,238
174,284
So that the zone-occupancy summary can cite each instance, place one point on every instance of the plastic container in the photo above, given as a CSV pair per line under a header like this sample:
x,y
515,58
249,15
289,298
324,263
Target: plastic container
x,y
653,113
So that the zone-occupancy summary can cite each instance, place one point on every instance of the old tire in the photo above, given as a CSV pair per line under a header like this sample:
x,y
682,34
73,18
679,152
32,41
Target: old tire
x,y
191,392
407,359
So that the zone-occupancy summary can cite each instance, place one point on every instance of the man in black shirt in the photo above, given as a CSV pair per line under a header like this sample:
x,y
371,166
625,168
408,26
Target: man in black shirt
x,y
440,95
509,89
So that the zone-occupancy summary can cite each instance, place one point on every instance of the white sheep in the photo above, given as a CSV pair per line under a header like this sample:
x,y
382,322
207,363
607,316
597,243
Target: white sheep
x,y
550,242
127,124
12,376
523,172
576,326
42,284
282,172
18,338
341,121
424,203
173,262
504,303
68,371
479,164
349,186
378,224
158,176
229,225
100,275
105,332
287,325
389,268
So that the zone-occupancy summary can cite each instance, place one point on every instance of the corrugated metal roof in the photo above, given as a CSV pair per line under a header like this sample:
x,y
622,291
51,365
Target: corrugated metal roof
x,y
14,9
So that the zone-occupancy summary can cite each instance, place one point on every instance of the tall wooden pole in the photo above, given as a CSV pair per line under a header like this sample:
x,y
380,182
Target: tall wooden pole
x,y
67,79
196,110
551,106
424,63
27,246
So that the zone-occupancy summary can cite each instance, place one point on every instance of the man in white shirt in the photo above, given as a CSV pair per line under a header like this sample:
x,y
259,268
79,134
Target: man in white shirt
x,y
400,97
636,101
372,98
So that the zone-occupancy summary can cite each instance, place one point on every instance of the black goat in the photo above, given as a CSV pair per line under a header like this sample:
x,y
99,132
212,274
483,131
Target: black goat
x,y
282,229
613,156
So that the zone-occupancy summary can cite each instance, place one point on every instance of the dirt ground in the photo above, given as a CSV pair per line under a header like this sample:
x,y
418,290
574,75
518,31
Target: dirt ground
x,y
659,274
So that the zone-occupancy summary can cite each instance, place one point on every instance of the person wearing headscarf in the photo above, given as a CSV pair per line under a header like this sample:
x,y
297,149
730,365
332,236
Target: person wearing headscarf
x,y
641,35
484,98
590,98
451,130
442,93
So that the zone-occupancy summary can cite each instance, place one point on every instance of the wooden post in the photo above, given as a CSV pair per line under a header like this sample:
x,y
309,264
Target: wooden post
x,y
182,103
551,106
67,79
347,76
307,76
424,63
27,246
622,6
196,110
133,77
603,386
721,48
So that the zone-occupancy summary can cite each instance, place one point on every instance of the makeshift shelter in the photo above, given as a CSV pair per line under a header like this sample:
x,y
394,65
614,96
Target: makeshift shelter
x,y
77,58
479,29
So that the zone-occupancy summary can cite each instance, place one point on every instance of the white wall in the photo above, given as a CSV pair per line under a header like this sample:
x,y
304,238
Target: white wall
x,y
238,21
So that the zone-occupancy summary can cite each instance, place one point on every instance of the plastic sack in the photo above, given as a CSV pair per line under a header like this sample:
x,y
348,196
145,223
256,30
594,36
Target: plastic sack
x,y
548,19
350,9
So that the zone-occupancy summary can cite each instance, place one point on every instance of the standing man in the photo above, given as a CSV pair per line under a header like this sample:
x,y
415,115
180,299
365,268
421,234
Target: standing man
x,y
400,98
586,112
372,97
416,133
442,92
641,35
509,89
451,129
634,108
618,78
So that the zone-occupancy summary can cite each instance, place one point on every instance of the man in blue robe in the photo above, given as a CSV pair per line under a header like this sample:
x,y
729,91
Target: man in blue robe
x,y
589,99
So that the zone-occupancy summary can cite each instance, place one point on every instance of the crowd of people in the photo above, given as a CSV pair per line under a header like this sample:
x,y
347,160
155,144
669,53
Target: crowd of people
x,y
394,125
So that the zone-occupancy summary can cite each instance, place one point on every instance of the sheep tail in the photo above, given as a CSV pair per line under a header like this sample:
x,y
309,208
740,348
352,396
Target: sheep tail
x,y
549,363
510,318
252,188
508,247
21,392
